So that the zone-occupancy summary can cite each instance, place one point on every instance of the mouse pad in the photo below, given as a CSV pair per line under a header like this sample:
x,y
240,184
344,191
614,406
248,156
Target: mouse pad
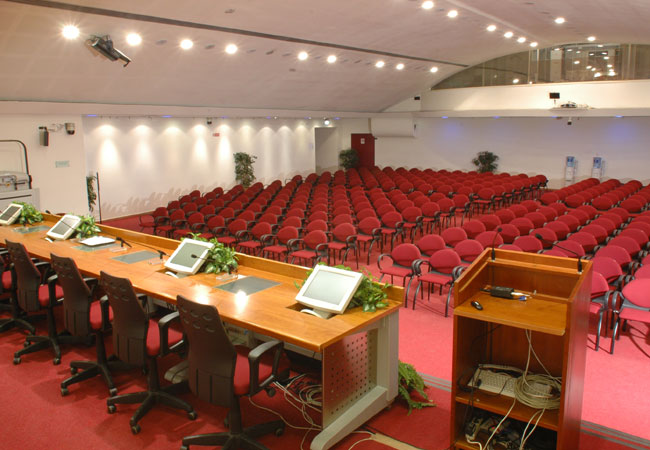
x,y
248,285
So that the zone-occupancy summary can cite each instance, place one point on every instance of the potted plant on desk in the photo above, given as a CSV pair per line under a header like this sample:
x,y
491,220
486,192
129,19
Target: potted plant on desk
x,y
87,227
220,258
29,214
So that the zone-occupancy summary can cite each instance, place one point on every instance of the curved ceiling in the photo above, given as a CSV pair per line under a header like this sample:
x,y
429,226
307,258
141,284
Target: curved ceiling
x,y
38,64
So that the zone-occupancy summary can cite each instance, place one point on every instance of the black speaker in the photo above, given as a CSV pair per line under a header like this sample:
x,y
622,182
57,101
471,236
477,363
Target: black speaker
x,y
44,136
553,95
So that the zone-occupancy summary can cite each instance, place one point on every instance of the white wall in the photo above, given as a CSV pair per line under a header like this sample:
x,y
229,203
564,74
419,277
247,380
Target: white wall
x,y
526,145
146,162
62,189
327,148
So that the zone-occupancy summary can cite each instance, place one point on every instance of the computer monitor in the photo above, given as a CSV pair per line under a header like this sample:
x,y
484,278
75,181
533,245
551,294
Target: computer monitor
x,y
328,290
189,256
65,227
10,214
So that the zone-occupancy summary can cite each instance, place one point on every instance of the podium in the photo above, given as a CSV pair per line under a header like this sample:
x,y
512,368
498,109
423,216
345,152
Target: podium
x,y
557,315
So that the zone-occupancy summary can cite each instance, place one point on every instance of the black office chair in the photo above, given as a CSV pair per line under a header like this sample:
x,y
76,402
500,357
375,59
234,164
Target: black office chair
x,y
84,316
213,378
135,345
7,285
35,290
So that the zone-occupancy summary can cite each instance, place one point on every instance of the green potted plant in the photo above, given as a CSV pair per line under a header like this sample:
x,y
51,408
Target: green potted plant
x,y
220,258
90,191
349,158
485,162
29,214
87,227
244,173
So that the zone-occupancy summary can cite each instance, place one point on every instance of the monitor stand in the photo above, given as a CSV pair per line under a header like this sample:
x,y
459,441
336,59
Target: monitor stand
x,y
317,312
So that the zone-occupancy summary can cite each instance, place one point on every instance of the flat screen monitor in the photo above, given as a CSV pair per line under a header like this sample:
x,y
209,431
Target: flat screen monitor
x,y
10,214
328,290
65,227
189,256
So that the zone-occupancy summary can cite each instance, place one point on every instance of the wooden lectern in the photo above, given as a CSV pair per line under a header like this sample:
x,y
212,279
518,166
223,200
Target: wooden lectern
x,y
556,313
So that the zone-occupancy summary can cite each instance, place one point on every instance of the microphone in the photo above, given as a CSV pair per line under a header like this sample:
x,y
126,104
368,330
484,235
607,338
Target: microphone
x,y
123,242
199,257
494,241
539,236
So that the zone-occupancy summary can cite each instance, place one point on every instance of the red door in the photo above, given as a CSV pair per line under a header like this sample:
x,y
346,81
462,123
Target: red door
x,y
364,144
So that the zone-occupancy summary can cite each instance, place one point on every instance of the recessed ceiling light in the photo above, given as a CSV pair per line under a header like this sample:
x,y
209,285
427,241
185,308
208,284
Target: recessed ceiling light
x,y
186,44
600,45
559,20
508,34
533,44
331,59
609,65
603,53
167,116
515,80
557,49
618,116
588,67
611,73
133,39
453,13
380,64
521,39
593,69
578,52
591,38
70,32
400,66
303,56
427,5
569,49
231,49
576,62
491,28
434,69
598,75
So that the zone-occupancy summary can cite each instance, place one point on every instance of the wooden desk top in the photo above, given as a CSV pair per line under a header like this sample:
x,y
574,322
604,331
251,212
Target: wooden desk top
x,y
272,311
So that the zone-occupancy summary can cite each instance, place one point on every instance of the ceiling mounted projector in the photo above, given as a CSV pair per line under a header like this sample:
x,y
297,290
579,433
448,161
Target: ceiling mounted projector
x,y
104,46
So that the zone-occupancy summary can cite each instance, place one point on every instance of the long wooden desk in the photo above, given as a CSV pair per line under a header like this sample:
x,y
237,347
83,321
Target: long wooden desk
x,y
359,350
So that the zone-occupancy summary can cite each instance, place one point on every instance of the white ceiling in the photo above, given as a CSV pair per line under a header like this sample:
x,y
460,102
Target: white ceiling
x,y
38,64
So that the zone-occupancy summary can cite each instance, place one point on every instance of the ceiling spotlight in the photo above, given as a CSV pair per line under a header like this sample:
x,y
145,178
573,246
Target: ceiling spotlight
x,y
427,5
491,28
453,13
186,44
598,75
331,59
559,20
508,34
326,121
605,57
70,32
303,56
588,67
133,39
104,46
434,69
533,44
400,66
231,49
515,81
521,39
379,64
576,62
591,38
611,73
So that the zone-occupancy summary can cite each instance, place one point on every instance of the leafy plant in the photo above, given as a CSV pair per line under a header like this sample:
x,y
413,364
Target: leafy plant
x,y
408,381
244,173
29,214
349,158
485,162
220,258
370,294
90,191
87,227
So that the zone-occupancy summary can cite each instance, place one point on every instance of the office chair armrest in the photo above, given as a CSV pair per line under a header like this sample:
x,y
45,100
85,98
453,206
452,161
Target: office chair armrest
x,y
178,223
161,220
198,227
254,363
163,329
275,227
294,244
322,248
218,231
45,268
381,257
105,307
376,232
242,234
416,266
351,240
267,239
457,272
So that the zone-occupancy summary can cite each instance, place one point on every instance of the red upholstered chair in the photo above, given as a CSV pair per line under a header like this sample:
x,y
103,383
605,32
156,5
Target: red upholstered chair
x,y
629,244
344,239
401,260
484,200
441,266
220,373
233,232
453,236
545,235
538,219
582,216
505,215
250,241
463,206
83,316
619,254
489,238
549,198
369,232
641,225
632,206
529,244
523,224
275,245
468,250
632,303
153,220
596,231
447,211
601,298
167,225
638,235
518,210
610,269
195,223
530,205
560,208
509,233
412,221
609,226
36,291
586,240
473,228
570,248
512,247
570,221
310,249
430,243
560,229
431,213
391,227
491,221
215,226
139,340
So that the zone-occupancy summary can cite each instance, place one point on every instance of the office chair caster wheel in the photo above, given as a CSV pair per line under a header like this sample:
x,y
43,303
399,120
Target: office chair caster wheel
x,y
73,370
16,360
111,409
112,392
26,344
64,391
279,431
135,429
57,361
192,415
